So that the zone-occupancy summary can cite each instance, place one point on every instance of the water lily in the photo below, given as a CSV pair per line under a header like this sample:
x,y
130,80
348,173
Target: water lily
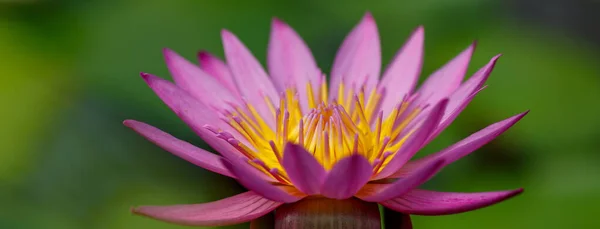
x,y
304,146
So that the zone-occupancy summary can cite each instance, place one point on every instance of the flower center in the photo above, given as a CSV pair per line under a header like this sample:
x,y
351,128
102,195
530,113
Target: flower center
x,y
330,129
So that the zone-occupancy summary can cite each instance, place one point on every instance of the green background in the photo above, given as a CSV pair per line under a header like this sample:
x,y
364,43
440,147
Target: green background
x,y
69,73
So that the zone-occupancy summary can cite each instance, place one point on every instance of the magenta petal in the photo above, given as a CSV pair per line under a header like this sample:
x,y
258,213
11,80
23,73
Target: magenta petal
x,y
290,62
303,169
198,83
237,209
415,142
246,175
189,109
424,202
463,147
403,72
179,148
193,112
217,69
464,94
346,177
358,61
404,185
249,75
447,79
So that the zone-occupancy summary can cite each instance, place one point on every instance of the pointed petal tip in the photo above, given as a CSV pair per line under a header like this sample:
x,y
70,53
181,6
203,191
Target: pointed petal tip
x,y
471,49
507,194
146,76
474,44
226,34
129,122
278,23
139,210
368,16
443,103
204,57
519,116
149,78
420,30
203,54
166,51
169,55
133,210
493,62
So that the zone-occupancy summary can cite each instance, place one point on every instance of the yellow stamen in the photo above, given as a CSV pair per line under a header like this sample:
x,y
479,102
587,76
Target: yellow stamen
x,y
329,130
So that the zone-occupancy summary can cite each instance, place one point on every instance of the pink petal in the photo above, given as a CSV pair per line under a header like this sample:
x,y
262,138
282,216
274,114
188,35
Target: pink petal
x,y
415,142
246,175
217,69
303,169
179,148
194,113
249,75
198,83
464,94
347,177
447,79
402,186
403,72
290,61
463,147
237,209
358,61
424,202
190,110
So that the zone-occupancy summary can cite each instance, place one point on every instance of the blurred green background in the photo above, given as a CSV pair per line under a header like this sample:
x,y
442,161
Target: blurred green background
x,y
70,77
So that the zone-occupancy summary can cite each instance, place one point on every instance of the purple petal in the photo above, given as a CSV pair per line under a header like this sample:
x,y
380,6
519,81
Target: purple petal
x,y
237,209
194,113
290,62
424,202
190,110
415,142
403,72
198,83
303,169
358,61
402,186
463,147
246,175
346,177
464,94
179,148
249,75
447,79
217,69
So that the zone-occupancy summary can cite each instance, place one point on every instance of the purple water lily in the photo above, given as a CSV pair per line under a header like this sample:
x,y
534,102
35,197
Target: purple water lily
x,y
290,136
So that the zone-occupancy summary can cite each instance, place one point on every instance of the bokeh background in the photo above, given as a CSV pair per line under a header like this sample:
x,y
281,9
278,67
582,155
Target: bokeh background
x,y
69,73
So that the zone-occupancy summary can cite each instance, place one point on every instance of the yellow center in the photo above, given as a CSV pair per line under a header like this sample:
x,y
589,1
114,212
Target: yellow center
x,y
330,130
